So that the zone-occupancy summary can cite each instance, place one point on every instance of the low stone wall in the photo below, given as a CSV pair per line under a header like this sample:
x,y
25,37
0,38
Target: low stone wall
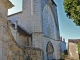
x,y
28,53
15,52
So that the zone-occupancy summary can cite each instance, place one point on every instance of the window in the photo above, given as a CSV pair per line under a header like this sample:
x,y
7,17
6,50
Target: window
x,y
27,41
48,22
49,50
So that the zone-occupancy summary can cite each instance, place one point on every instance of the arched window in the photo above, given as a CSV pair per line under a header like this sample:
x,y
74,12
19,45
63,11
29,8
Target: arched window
x,y
48,22
49,50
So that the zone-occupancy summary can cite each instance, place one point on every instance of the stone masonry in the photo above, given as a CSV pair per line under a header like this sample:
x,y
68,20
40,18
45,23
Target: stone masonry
x,y
4,37
39,18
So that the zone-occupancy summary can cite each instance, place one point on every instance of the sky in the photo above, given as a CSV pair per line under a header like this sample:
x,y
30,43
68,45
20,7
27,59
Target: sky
x,y
68,29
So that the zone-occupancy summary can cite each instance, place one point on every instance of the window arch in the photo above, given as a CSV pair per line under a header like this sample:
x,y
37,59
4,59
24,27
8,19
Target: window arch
x,y
49,50
48,22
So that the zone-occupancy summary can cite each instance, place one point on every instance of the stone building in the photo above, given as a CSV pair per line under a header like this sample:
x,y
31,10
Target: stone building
x,y
4,36
73,49
35,31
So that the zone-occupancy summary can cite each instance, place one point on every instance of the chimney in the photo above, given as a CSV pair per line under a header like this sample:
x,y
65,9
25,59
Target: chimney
x,y
16,23
61,38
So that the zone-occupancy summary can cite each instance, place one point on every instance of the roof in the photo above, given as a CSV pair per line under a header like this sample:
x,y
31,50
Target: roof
x,y
21,31
74,40
15,13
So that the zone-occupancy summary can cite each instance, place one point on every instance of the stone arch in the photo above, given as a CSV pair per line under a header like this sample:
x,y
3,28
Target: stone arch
x,y
49,51
48,19
49,6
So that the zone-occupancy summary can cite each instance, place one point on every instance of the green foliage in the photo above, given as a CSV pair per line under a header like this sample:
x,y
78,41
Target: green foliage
x,y
72,9
78,47
63,55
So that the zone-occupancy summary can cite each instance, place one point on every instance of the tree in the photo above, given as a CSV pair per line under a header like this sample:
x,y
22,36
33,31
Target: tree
x,y
72,9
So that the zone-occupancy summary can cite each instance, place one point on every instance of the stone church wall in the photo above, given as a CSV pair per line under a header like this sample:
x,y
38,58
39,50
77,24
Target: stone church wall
x,y
32,22
37,23
41,41
26,16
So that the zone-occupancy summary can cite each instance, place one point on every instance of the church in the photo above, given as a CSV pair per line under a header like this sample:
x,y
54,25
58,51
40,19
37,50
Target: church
x,y
36,28
34,32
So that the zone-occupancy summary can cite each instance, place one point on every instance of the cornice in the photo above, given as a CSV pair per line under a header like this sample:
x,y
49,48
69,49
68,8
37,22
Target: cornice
x,y
53,3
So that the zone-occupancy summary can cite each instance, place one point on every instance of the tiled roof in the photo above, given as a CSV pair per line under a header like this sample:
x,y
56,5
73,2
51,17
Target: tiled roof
x,y
21,31
74,40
